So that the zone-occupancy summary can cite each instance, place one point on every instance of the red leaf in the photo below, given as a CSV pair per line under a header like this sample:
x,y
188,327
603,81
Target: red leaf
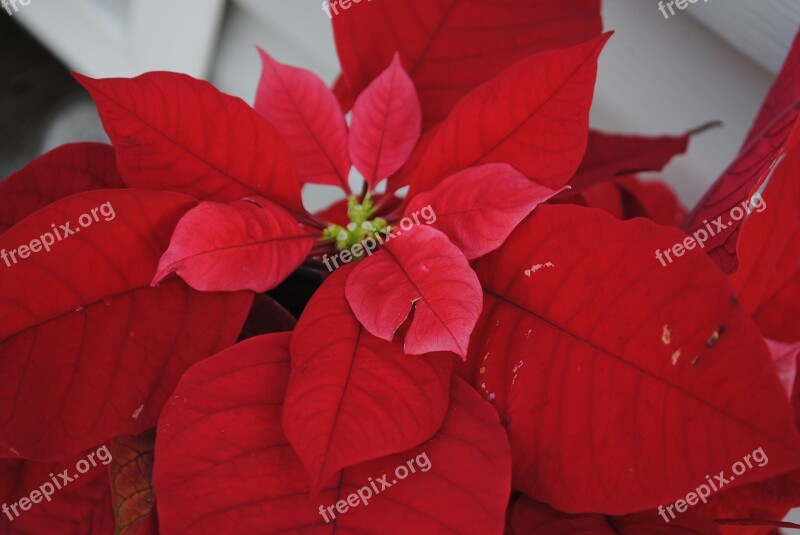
x,y
403,177
353,397
100,355
131,473
243,245
533,116
423,271
80,507
606,196
532,518
172,132
386,124
335,213
206,440
344,95
479,207
451,46
627,197
299,104
661,383
62,172
762,149
771,499
768,280
611,155
652,199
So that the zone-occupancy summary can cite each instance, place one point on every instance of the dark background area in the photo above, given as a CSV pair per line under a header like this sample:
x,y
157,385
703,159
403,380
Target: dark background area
x,y
34,86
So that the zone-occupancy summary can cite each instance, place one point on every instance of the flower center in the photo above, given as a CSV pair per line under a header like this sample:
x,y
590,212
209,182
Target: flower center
x,y
361,226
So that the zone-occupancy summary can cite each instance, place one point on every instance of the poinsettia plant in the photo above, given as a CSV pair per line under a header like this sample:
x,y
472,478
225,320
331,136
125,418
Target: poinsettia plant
x,y
514,361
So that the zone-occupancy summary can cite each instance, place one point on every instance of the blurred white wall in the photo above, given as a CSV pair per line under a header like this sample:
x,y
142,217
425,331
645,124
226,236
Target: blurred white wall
x,y
713,61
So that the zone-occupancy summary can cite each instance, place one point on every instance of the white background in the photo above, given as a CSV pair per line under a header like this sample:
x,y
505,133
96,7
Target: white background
x,y
713,61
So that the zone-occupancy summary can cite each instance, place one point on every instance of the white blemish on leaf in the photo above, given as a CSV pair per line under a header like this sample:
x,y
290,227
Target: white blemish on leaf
x,y
15,452
515,370
137,412
713,339
666,335
536,267
78,309
675,357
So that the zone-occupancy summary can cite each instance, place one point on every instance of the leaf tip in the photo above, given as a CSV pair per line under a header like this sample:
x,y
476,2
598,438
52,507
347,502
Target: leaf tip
x,y
82,79
162,273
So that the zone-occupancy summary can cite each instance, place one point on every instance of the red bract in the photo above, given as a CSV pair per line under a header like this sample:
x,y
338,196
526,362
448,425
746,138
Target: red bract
x,y
652,199
353,397
626,197
767,284
298,104
82,506
766,143
479,207
531,518
85,364
534,116
546,351
763,501
609,155
768,280
385,127
65,171
172,132
386,124
251,244
451,46
206,441
426,272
